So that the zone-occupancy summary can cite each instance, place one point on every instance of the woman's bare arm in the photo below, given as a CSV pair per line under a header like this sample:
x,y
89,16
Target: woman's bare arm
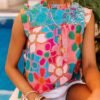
x,y
90,70
17,43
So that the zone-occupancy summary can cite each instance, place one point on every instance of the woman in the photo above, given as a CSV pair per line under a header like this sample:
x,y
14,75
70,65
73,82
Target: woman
x,y
53,35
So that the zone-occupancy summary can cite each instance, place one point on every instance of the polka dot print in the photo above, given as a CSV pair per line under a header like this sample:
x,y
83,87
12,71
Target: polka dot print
x,y
78,29
54,44
34,65
40,52
71,35
49,35
24,18
46,54
74,47
47,47
30,77
27,65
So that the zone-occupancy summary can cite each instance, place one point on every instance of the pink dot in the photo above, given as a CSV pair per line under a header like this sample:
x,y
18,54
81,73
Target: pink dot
x,y
42,61
53,53
39,52
47,47
51,41
54,59
50,60
72,27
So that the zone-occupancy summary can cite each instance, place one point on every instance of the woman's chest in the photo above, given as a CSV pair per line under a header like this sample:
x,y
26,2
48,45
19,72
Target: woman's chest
x,y
51,41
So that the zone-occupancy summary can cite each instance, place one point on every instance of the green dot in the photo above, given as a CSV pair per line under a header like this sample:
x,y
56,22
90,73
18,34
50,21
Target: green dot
x,y
25,8
44,4
46,54
30,77
19,94
34,11
71,35
24,18
80,45
67,10
78,29
74,47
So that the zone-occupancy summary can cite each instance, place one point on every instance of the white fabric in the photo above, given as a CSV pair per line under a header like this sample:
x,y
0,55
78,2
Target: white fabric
x,y
88,13
56,94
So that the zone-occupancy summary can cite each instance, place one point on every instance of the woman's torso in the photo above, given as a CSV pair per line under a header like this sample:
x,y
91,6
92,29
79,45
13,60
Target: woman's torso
x,y
54,43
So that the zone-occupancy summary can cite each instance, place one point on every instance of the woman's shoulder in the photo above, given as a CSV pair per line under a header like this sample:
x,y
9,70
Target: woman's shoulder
x,y
88,14
87,11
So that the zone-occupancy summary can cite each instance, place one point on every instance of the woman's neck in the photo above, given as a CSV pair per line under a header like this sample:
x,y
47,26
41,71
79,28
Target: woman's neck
x,y
58,2
61,5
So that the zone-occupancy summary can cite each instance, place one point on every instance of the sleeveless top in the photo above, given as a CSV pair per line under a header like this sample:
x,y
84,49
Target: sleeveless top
x,y
54,43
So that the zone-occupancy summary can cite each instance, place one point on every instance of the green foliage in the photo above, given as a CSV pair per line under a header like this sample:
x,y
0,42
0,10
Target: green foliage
x,y
93,4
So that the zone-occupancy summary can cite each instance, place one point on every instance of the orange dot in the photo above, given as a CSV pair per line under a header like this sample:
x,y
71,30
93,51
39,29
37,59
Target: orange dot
x,y
78,39
41,80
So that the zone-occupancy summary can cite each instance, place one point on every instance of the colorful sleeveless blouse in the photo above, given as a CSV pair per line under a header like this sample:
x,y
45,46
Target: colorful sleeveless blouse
x,y
54,44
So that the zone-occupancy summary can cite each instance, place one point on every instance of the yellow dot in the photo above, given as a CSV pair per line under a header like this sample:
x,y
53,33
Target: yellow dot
x,y
59,72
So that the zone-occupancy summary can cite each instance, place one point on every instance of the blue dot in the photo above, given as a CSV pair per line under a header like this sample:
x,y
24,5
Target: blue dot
x,y
59,13
45,30
47,74
58,20
27,65
52,27
56,39
46,65
32,56
34,65
71,67
49,35
49,21
37,69
41,18
28,55
36,58
30,77
78,54
53,11
59,31
57,84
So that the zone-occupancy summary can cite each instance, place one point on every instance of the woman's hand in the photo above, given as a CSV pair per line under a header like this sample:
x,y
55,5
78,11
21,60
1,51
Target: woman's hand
x,y
95,95
32,96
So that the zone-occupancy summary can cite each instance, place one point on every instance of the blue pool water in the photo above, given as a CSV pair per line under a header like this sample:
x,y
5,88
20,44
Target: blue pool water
x,y
5,35
4,97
